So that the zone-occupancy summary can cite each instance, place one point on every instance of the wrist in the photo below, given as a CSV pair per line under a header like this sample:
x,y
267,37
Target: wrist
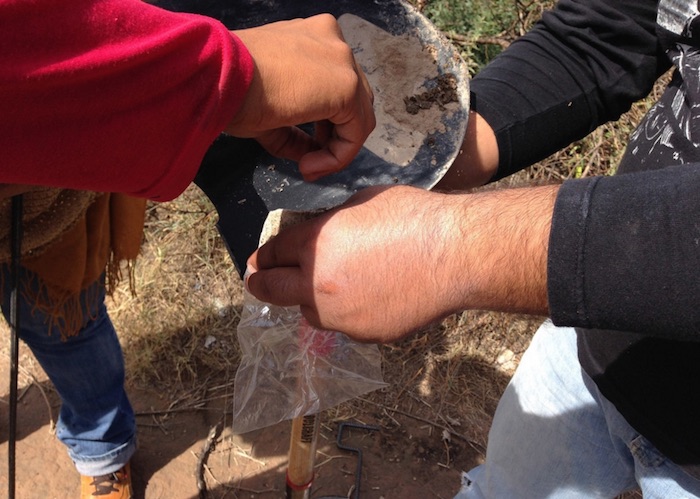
x,y
477,160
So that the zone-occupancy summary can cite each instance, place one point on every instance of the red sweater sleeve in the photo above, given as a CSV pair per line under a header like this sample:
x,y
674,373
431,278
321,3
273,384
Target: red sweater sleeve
x,y
113,95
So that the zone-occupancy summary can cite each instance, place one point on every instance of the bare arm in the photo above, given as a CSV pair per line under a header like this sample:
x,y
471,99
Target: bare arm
x,y
477,160
395,259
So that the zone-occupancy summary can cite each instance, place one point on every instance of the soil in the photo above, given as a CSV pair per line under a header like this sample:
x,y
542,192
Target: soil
x,y
444,92
403,458
404,78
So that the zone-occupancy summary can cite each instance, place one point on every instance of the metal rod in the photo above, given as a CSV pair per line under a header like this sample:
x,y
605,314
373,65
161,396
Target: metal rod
x,y
356,450
16,251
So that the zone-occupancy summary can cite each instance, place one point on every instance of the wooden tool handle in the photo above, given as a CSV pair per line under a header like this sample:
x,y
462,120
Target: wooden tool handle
x,y
302,455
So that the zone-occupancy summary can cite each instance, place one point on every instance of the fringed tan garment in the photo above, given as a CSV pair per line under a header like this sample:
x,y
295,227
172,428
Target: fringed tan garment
x,y
103,236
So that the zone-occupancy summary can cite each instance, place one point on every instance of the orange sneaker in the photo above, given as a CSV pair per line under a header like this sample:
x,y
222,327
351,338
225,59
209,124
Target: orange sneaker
x,y
115,485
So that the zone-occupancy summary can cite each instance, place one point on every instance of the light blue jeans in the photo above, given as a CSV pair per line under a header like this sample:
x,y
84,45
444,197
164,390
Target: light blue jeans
x,y
555,436
96,421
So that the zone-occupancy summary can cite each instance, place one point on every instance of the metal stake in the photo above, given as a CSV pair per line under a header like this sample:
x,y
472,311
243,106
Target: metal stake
x,y
16,251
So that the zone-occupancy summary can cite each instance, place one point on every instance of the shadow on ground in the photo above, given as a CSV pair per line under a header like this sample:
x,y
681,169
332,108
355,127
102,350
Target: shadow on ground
x,y
410,455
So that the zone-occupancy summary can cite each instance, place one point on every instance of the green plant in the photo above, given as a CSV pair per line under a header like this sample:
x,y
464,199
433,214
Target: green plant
x,y
482,28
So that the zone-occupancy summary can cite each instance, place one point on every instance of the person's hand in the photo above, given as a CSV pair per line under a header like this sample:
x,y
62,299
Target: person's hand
x,y
392,260
305,72
367,269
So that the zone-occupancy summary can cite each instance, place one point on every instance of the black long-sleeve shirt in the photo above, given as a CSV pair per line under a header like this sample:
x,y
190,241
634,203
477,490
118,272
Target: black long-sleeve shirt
x,y
624,257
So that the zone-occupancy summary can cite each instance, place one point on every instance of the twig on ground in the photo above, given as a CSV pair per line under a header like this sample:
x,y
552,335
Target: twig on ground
x,y
24,392
214,433
391,417
328,460
446,439
242,453
237,487
35,382
475,445
149,425
485,40
198,404
174,411
160,425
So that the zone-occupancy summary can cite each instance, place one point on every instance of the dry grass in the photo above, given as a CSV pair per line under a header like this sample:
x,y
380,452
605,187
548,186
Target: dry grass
x,y
182,323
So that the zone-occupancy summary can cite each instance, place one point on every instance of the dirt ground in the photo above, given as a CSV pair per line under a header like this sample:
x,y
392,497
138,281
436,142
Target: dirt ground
x,y
404,458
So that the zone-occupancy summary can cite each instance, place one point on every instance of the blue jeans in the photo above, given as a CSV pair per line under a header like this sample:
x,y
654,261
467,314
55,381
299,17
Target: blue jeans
x,y
555,436
96,421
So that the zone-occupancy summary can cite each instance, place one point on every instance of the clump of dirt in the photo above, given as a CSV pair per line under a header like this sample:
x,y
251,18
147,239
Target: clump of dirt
x,y
444,92
396,66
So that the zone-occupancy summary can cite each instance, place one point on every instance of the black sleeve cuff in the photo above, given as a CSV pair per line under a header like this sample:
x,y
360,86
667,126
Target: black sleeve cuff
x,y
624,253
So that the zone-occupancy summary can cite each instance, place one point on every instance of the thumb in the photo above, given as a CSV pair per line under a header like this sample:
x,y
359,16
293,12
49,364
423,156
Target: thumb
x,y
280,286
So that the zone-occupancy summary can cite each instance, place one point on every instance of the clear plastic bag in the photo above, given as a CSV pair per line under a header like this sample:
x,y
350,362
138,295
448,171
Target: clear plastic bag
x,y
290,369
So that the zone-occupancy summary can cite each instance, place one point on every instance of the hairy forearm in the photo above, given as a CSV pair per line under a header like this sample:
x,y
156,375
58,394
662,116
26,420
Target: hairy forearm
x,y
394,259
505,238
